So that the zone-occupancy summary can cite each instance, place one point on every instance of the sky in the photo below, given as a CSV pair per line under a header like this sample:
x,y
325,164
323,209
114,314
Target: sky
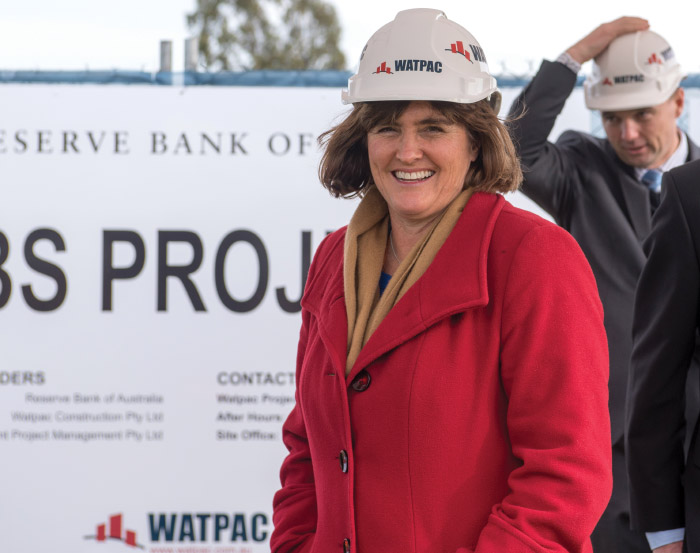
x,y
125,35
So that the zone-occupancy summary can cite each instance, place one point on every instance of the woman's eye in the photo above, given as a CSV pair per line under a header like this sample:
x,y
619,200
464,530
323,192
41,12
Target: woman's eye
x,y
381,130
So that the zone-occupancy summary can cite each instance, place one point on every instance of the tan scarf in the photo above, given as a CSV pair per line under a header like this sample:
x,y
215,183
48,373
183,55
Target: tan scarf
x,y
365,244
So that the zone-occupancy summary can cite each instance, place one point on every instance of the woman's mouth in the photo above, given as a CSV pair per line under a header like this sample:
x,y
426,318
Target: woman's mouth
x,y
413,176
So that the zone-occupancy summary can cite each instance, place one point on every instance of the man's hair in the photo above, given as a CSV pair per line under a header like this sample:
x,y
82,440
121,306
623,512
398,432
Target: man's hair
x,y
345,170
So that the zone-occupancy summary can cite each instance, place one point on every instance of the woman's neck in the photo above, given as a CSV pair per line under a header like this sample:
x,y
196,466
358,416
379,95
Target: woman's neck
x,y
404,235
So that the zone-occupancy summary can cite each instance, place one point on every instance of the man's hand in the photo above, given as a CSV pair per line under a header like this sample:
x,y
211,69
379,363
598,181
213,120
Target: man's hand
x,y
675,547
593,44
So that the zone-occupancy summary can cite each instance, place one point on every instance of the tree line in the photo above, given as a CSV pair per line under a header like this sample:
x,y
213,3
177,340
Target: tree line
x,y
242,35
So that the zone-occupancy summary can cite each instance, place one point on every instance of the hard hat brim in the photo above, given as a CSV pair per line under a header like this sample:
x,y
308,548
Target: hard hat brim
x,y
623,102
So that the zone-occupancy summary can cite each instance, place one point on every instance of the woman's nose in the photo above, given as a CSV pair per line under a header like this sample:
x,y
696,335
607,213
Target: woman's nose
x,y
409,148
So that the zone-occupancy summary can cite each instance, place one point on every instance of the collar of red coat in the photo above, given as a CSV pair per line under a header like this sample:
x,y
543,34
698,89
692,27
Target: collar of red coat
x,y
455,281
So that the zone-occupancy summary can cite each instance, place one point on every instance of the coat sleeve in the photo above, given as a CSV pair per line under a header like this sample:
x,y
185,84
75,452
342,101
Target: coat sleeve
x,y
554,370
549,169
294,505
665,322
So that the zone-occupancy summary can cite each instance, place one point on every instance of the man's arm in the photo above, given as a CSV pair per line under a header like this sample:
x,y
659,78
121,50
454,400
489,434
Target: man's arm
x,y
551,170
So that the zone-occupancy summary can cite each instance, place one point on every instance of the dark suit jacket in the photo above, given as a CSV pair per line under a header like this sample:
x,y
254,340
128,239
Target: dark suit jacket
x,y
664,490
580,181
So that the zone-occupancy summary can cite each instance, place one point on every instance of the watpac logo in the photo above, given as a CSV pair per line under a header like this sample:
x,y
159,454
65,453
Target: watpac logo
x,y
665,55
174,532
116,533
654,59
206,527
623,79
668,54
383,69
457,47
426,66
627,79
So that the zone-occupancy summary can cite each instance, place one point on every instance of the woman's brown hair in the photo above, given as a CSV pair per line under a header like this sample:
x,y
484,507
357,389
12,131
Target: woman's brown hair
x,y
345,171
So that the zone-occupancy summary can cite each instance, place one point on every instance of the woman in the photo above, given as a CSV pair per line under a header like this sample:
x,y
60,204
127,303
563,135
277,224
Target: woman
x,y
452,363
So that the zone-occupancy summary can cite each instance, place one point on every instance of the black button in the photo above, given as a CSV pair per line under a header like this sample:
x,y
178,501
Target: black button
x,y
343,460
361,382
346,545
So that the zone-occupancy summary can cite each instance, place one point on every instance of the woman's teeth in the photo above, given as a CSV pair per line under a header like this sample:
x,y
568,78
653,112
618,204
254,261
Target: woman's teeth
x,y
417,175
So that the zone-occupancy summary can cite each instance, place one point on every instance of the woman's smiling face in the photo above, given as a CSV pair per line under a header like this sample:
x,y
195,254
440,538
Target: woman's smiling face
x,y
419,163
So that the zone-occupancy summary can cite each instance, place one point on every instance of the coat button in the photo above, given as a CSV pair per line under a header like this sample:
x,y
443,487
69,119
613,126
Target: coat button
x,y
343,460
361,382
346,545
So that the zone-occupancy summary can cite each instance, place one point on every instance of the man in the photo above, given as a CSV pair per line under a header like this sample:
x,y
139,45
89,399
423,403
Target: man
x,y
665,491
597,189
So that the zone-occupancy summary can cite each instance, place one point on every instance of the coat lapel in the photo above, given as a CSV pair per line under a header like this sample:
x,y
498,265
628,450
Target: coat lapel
x,y
434,297
324,299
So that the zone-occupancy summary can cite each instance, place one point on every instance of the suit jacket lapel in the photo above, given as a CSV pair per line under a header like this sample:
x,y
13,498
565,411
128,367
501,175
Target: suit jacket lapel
x,y
693,150
636,197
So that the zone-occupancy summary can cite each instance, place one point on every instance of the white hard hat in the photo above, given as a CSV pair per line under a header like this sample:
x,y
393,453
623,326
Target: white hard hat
x,y
637,70
422,55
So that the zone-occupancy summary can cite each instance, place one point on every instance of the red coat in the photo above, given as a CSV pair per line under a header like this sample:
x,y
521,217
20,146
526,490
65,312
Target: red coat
x,y
484,425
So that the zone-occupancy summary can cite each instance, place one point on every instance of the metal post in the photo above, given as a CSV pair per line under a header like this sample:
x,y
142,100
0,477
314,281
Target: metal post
x,y
191,54
166,56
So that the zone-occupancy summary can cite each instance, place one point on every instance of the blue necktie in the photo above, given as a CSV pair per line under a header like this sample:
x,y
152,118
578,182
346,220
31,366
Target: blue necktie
x,y
652,179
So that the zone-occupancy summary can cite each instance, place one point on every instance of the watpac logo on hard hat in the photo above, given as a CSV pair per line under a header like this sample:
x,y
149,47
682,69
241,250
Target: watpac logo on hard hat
x,y
654,59
623,79
662,58
627,79
457,47
429,66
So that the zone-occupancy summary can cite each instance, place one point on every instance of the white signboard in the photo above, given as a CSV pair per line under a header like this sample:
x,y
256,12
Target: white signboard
x,y
153,246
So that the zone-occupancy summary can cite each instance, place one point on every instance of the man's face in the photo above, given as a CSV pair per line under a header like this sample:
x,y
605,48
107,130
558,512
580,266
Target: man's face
x,y
646,137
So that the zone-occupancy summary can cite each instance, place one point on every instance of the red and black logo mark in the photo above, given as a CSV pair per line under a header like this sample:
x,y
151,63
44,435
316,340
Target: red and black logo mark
x,y
654,59
383,69
116,533
607,82
476,51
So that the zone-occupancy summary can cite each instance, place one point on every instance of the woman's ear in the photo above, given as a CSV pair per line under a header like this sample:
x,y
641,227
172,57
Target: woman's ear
x,y
474,148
